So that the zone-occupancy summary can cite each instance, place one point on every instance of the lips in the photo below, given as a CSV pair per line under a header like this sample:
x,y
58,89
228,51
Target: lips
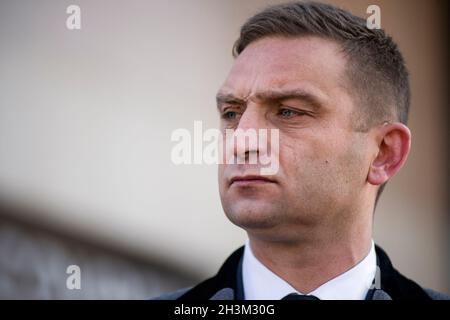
x,y
250,180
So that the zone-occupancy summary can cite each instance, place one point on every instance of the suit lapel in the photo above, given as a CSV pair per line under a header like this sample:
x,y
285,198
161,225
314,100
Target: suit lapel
x,y
393,284
379,294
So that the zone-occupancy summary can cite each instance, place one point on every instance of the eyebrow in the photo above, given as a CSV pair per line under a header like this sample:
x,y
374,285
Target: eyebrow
x,y
313,100
228,98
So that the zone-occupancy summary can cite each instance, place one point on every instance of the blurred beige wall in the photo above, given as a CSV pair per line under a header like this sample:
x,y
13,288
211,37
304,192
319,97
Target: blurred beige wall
x,y
86,118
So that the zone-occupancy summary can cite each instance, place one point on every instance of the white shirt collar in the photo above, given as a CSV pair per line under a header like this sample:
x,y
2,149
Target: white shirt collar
x,y
262,284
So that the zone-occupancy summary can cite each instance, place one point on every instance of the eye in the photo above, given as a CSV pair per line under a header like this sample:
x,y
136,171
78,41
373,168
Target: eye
x,y
288,113
230,115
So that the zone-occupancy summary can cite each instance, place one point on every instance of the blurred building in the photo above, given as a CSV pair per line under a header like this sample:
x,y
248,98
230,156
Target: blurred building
x,y
34,261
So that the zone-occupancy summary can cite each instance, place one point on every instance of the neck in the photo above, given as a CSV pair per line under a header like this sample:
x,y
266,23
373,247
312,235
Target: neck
x,y
307,263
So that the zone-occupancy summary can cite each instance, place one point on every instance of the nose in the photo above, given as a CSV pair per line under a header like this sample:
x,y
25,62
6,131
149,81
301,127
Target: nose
x,y
247,133
252,118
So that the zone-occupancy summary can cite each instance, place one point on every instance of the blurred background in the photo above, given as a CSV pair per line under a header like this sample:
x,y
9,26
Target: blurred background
x,y
86,118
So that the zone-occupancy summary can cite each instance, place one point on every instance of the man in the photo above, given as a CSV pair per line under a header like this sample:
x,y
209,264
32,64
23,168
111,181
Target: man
x,y
338,94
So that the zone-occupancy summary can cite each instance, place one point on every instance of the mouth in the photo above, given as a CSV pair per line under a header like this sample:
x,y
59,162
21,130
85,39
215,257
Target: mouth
x,y
250,180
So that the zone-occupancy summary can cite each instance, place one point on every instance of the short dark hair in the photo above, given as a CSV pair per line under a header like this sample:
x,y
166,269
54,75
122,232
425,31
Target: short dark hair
x,y
377,71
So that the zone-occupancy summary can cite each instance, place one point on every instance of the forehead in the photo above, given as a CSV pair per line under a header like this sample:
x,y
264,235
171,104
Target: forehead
x,y
276,62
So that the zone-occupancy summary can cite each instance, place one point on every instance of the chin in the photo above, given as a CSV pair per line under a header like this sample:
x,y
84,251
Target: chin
x,y
251,214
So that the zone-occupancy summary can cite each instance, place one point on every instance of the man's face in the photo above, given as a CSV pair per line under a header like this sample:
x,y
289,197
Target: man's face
x,y
299,87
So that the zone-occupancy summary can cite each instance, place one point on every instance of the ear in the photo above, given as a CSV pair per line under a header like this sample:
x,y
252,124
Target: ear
x,y
394,143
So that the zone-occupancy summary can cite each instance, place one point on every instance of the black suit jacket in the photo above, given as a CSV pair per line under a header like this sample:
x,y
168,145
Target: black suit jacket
x,y
227,284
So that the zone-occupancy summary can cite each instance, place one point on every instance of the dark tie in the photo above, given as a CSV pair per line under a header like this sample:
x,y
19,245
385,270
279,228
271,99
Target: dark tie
x,y
296,296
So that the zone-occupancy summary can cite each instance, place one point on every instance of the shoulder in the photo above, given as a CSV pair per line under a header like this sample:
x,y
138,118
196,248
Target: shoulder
x,y
222,286
398,286
174,295
435,295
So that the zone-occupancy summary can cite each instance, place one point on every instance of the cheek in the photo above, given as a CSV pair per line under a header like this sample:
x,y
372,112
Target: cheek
x,y
305,155
313,165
